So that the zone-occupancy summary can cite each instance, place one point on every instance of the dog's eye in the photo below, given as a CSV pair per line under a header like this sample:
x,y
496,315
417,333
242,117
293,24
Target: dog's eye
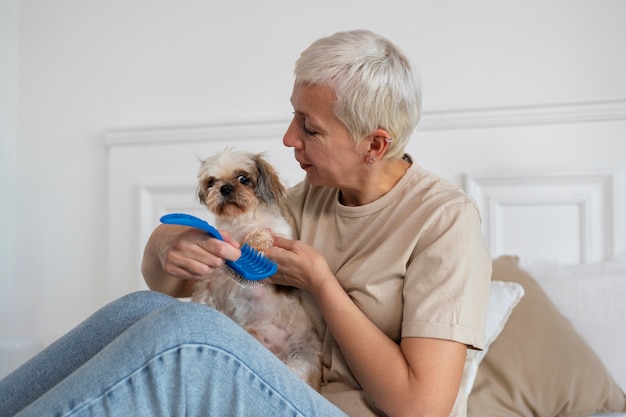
x,y
243,179
210,183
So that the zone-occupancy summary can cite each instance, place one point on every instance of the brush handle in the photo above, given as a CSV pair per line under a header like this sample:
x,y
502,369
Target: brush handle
x,y
183,219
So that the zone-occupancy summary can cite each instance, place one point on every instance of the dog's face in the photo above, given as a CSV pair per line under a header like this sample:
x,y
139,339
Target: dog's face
x,y
233,183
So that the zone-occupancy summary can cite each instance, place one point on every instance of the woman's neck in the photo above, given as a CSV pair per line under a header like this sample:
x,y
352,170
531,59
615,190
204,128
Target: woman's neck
x,y
377,181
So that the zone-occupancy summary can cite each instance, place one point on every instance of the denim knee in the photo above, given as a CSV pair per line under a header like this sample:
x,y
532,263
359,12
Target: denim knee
x,y
146,298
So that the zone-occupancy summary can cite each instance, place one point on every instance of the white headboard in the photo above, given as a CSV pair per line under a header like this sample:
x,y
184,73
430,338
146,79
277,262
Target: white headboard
x,y
548,180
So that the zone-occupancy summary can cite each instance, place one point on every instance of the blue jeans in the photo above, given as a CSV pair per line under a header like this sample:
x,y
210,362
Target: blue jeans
x,y
150,354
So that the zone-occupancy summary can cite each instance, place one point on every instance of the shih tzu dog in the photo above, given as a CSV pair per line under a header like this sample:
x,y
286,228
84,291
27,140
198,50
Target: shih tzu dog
x,y
244,193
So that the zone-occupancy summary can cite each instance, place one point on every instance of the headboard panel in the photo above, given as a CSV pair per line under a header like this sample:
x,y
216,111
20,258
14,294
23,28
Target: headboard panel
x,y
569,217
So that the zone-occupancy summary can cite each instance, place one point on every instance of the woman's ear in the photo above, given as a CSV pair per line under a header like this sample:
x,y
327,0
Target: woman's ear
x,y
380,140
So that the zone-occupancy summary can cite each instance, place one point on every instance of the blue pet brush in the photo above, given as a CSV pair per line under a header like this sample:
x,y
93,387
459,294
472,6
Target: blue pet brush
x,y
250,270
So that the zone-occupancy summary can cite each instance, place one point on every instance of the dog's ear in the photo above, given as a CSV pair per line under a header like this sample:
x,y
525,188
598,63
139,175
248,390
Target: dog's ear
x,y
201,193
269,188
201,189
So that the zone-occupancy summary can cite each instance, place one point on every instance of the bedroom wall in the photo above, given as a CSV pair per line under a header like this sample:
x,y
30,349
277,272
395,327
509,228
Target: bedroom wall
x,y
8,170
86,67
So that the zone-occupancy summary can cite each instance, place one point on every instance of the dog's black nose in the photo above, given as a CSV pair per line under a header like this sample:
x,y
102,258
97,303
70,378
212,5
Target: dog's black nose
x,y
226,189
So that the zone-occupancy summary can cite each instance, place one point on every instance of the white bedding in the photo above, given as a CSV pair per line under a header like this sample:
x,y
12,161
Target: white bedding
x,y
593,297
560,351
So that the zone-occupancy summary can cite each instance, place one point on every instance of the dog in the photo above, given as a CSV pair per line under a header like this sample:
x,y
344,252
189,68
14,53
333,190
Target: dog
x,y
244,193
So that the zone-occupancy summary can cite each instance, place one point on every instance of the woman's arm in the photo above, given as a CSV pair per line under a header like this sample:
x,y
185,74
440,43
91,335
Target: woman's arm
x,y
176,256
420,376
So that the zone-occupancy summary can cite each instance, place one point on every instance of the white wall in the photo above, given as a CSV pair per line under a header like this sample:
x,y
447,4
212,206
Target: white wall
x,y
85,67
8,176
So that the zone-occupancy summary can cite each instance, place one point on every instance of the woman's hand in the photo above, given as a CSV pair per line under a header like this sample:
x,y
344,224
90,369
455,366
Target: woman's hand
x,y
176,256
300,265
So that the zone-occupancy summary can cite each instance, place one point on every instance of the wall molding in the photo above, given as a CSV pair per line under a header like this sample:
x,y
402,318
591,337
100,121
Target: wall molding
x,y
195,132
582,112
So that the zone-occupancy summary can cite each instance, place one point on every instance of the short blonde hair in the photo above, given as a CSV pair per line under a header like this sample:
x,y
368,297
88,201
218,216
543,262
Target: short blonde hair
x,y
375,84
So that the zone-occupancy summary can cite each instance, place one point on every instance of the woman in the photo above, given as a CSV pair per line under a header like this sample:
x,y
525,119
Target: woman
x,y
390,259
390,256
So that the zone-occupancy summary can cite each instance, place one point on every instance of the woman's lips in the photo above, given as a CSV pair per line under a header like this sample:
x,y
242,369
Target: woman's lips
x,y
304,165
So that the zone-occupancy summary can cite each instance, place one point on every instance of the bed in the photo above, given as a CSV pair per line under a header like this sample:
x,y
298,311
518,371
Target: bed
x,y
555,339
560,350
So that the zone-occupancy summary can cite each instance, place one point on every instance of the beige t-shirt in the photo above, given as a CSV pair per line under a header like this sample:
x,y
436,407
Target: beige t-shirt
x,y
414,261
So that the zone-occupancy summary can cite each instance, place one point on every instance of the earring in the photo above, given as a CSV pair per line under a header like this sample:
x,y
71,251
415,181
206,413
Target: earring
x,y
371,161
389,139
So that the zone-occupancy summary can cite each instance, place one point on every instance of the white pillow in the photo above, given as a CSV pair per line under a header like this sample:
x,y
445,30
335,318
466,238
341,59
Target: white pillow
x,y
503,297
592,297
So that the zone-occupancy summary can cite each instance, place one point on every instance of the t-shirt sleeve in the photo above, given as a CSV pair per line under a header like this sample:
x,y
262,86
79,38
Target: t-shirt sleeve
x,y
446,287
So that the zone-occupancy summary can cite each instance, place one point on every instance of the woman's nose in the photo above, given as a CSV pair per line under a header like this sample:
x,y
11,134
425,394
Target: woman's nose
x,y
290,138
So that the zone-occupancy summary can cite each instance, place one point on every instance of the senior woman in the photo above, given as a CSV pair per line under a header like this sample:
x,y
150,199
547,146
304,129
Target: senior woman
x,y
390,258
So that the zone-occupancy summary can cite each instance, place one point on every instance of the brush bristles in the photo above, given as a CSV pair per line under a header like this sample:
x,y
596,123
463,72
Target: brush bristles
x,y
241,281
252,265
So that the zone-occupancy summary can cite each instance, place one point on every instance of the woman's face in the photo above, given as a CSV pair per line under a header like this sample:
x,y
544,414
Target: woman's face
x,y
322,144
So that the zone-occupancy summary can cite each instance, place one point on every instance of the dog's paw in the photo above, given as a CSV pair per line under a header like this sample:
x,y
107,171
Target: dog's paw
x,y
259,239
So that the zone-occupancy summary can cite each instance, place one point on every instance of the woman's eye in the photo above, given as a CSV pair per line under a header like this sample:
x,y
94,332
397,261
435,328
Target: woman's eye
x,y
303,124
243,179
